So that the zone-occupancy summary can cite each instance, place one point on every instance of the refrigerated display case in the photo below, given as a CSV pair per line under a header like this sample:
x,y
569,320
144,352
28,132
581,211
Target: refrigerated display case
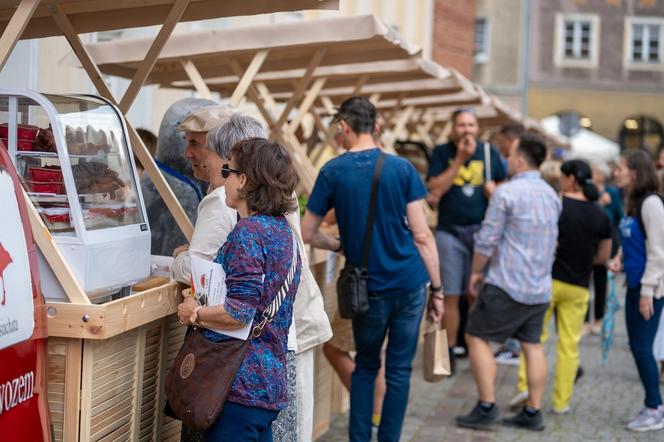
x,y
72,154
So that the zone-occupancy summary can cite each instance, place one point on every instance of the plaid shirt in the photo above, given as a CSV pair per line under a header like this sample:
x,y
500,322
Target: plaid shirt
x,y
519,233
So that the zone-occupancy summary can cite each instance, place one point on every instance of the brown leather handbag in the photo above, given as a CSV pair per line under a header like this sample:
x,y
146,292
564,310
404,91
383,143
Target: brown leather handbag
x,y
203,371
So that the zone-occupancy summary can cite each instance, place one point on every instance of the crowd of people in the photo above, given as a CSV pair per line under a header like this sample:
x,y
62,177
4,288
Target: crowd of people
x,y
512,249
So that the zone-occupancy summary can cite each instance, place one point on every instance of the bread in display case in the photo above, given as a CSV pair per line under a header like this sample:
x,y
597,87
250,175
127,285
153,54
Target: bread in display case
x,y
72,154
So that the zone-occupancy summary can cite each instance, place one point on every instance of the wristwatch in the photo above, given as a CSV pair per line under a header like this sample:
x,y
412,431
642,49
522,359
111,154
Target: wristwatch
x,y
433,290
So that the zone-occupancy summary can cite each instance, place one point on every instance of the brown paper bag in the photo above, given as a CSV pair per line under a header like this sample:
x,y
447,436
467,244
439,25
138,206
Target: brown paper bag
x,y
436,359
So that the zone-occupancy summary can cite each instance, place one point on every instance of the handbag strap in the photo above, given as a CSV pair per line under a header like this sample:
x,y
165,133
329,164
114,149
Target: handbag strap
x,y
372,210
271,311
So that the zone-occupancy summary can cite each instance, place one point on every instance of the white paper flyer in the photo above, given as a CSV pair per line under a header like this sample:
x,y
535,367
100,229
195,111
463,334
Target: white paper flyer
x,y
209,281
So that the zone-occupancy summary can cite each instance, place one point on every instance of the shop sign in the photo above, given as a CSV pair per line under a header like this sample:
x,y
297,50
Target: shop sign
x,y
16,303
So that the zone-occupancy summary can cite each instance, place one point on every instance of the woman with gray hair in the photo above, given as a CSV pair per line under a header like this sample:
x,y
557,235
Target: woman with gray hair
x,y
215,219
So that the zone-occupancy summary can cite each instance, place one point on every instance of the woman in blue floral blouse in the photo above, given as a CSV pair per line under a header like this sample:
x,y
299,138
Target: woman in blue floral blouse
x,y
260,184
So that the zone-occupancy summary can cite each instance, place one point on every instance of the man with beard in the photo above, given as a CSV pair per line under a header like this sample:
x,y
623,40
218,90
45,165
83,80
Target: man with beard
x,y
461,177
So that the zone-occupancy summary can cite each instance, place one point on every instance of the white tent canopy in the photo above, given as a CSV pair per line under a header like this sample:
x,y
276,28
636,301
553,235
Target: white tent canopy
x,y
585,144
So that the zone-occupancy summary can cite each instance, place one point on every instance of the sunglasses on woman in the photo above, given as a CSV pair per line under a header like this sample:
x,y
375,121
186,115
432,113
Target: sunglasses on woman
x,y
226,171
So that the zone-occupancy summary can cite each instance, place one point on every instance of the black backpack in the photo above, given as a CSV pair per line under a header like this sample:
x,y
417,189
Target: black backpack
x,y
639,218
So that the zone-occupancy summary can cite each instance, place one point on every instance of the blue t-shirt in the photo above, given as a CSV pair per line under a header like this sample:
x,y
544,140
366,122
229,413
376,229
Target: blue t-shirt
x,y
464,204
344,184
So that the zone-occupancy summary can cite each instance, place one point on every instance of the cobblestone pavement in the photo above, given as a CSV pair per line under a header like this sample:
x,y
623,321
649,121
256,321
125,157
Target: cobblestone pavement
x,y
604,398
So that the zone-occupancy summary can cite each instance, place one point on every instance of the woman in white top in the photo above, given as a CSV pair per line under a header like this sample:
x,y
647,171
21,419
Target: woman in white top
x,y
215,219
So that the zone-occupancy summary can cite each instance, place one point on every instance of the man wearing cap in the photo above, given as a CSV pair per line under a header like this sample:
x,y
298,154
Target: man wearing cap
x,y
215,219
178,173
461,177
402,260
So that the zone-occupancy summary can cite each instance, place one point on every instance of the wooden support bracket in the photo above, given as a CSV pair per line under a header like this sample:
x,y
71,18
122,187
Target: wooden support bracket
x,y
153,53
50,250
15,28
196,79
248,76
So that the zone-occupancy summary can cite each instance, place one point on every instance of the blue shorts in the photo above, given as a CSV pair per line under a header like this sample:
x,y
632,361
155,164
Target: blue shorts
x,y
455,262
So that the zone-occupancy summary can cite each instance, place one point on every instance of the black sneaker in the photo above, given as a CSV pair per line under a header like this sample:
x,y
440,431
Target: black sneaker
x,y
579,374
479,418
525,420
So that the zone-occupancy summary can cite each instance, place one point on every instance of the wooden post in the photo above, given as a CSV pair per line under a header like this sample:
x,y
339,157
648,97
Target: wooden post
x,y
153,53
50,250
15,28
301,87
309,99
72,399
160,183
196,79
248,77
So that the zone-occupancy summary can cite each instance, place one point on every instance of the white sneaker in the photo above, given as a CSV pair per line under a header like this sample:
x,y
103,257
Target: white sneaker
x,y
647,420
519,400
561,411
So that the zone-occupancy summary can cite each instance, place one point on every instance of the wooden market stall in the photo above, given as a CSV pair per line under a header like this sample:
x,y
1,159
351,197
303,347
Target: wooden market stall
x,y
240,62
107,361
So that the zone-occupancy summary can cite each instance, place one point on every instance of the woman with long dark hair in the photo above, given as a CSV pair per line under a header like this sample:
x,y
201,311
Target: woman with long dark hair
x,y
642,257
584,238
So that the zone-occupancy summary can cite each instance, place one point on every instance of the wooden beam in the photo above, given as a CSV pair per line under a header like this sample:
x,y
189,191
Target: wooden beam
x,y
309,99
374,98
403,119
248,77
79,49
153,53
360,84
196,79
15,28
267,97
72,378
51,252
160,183
302,85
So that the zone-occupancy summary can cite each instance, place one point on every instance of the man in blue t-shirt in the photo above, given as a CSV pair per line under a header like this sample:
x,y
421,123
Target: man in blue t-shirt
x,y
402,259
461,179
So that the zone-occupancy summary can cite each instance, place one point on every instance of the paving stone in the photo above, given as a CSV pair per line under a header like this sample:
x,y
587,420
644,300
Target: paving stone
x,y
604,398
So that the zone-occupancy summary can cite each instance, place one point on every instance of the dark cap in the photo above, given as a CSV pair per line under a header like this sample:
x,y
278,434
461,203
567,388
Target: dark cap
x,y
358,112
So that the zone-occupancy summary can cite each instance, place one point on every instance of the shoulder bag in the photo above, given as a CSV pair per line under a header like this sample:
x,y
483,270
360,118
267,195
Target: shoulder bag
x,y
203,371
352,291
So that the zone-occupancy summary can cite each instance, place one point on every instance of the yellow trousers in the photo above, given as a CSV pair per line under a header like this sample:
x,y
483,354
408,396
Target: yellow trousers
x,y
570,303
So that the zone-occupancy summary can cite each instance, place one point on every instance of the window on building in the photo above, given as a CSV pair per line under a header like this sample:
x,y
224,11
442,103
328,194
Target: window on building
x,y
577,40
644,41
481,40
641,132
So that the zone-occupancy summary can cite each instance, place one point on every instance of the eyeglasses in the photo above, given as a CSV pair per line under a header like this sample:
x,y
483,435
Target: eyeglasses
x,y
226,171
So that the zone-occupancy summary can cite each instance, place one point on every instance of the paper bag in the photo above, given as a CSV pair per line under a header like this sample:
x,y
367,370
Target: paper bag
x,y
436,359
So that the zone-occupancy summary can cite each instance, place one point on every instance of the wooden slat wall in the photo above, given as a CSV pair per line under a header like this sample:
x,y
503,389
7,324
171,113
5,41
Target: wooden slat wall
x,y
57,348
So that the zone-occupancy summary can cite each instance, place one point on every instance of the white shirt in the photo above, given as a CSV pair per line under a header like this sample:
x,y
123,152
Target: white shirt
x,y
215,221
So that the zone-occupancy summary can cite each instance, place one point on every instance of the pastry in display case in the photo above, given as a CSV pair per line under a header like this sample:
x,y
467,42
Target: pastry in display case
x,y
72,154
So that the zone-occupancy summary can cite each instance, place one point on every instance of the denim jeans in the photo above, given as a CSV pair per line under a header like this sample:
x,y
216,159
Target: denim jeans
x,y
398,316
239,423
641,338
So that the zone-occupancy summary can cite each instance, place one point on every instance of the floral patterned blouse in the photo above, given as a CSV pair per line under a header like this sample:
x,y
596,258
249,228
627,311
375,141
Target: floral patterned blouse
x,y
256,258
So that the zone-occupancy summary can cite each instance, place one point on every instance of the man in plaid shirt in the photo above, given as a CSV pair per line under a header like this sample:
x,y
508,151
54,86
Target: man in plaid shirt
x,y
518,241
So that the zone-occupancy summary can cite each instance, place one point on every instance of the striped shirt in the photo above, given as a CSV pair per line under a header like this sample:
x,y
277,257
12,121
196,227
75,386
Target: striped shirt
x,y
519,233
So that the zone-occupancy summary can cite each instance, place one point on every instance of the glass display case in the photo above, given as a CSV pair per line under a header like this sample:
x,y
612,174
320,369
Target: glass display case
x,y
72,154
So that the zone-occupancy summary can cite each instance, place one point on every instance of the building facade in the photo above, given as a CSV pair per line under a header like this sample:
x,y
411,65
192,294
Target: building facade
x,y
597,63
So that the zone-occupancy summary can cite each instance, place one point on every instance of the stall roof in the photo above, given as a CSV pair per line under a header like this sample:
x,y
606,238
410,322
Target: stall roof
x,y
106,15
343,77
346,40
